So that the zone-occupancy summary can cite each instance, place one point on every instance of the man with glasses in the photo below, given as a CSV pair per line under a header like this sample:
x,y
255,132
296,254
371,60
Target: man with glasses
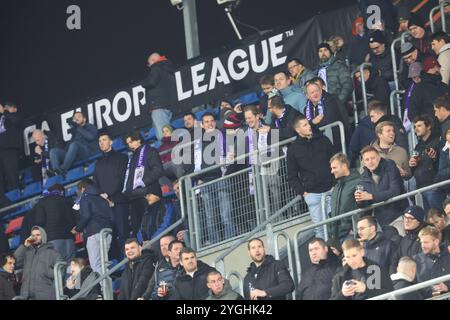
x,y
299,73
380,55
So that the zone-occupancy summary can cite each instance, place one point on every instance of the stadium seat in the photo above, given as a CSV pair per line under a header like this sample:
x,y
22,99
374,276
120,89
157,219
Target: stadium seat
x,y
32,189
74,175
178,123
53,180
15,242
71,191
148,135
118,144
13,195
90,170
14,225
27,176
250,98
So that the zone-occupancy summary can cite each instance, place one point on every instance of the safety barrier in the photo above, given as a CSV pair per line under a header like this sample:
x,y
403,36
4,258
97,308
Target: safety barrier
x,y
59,270
360,69
396,93
395,70
105,263
441,8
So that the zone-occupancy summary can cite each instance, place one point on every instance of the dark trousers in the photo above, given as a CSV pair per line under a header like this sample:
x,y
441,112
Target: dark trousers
x,y
9,169
121,230
137,209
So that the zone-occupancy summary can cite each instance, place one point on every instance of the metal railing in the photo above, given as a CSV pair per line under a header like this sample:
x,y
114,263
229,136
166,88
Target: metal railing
x,y
441,8
289,253
58,270
360,69
396,93
395,70
105,263
238,276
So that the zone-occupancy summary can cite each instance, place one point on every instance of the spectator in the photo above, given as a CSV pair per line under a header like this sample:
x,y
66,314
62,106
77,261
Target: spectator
x,y
220,288
167,269
171,170
191,283
4,244
45,141
158,89
284,116
354,281
335,74
341,49
387,10
95,215
424,163
342,196
429,88
181,232
267,84
359,43
421,38
266,278
410,54
299,73
37,258
415,69
375,84
189,124
433,261
386,147
80,278
82,146
380,55
381,181
7,280
143,172
55,215
446,207
315,283
138,270
405,277
377,247
436,217
109,175
230,115
308,169
442,113
444,162
10,145
440,43
292,95
155,214
413,222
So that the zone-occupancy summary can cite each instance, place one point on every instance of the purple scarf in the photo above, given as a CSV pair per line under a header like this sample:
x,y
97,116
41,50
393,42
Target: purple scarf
x,y
309,111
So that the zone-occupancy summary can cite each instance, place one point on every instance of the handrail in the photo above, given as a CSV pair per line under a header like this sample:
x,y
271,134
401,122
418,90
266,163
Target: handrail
x,y
59,285
394,60
289,254
399,107
107,282
440,7
363,84
412,288
240,280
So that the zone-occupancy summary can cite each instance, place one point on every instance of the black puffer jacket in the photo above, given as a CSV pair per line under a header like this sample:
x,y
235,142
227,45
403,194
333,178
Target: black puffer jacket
x,y
12,137
7,284
272,276
159,85
383,64
380,250
164,271
136,276
192,288
400,281
426,170
376,85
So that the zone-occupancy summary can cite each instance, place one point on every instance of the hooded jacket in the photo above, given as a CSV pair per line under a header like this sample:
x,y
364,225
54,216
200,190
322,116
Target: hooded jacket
x,y
37,263
294,96
192,288
380,250
87,276
401,281
272,276
339,81
160,84
226,294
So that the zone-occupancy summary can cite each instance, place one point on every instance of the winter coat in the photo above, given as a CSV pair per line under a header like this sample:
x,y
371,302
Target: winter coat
x,y
85,135
4,244
302,78
339,81
427,168
95,213
308,167
343,201
7,284
294,97
424,44
159,85
272,276
286,128
444,167
226,294
389,186
363,274
423,95
315,283
163,272
12,137
401,281
55,214
380,250
363,135
396,154
376,85
383,64
359,49
136,276
37,264
192,288
444,61
87,277
166,145
109,175
404,70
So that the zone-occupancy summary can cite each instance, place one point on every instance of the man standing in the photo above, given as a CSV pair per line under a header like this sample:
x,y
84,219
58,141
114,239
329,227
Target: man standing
x,y
440,43
299,73
266,278
109,177
308,169
10,144
37,258
380,55
158,85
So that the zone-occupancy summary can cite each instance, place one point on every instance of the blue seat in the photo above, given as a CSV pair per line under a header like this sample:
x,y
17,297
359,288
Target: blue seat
x,y
51,181
118,144
94,157
32,189
157,144
90,170
148,135
13,195
15,242
27,176
74,175
71,191
178,123
250,98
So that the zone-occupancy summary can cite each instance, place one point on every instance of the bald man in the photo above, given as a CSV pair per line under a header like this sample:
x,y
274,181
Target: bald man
x,y
45,142
159,88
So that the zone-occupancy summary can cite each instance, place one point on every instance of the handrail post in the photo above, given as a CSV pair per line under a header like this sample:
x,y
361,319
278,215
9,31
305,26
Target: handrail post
x,y
58,270
240,280
363,84
107,282
289,254
393,94
442,6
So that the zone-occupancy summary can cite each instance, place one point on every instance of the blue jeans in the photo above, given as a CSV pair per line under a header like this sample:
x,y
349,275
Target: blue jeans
x,y
432,199
65,247
216,198
314,202
160,118
75,151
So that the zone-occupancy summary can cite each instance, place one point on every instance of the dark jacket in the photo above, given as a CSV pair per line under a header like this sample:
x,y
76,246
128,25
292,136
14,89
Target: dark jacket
x,y
166,145
404,70
444,167
95,213
163,272
389,186
409,246
376,85
363,274
446,235
87,276
339,82
383,64
54,213
286,127
343,201
401,137
363,135
53,142
315,283
303,77
308,167
86,135
152,172
7,284
192,288
226,294
424,44
159,84
4,244
12,137
136,276
272,276
380,250
424,94
109,175
359,48
37,264
400,281
427,168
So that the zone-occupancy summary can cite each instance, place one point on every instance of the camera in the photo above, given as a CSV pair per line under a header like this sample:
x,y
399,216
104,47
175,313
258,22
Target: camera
x,y
71,123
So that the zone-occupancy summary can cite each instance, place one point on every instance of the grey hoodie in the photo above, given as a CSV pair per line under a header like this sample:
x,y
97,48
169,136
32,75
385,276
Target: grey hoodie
x,y
226,294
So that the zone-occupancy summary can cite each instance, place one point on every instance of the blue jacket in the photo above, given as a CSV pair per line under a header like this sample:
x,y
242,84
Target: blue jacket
x,y
95,213
292,96
86,135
